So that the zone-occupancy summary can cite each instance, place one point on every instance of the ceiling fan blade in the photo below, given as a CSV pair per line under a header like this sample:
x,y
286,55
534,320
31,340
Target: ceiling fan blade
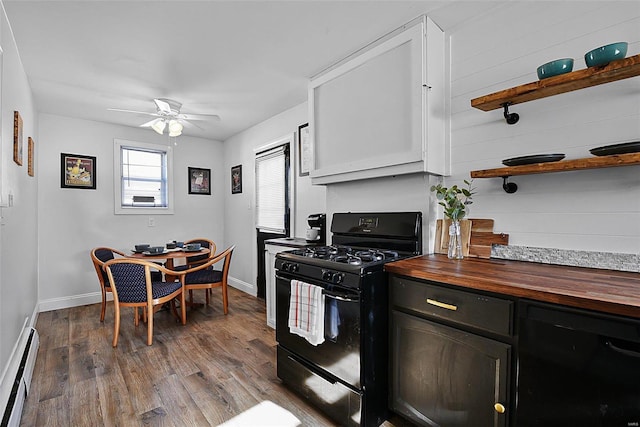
x,y
190,123
135,112
150,123
210,117
163,106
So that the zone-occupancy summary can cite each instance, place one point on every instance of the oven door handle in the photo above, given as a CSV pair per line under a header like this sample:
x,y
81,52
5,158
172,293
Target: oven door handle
x,y
340,297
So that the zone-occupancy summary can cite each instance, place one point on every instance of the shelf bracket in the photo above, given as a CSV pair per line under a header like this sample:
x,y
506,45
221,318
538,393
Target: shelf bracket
x,y
511,118
509,187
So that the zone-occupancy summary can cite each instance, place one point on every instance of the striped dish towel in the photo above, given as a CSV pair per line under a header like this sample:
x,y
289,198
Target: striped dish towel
x,y
306,311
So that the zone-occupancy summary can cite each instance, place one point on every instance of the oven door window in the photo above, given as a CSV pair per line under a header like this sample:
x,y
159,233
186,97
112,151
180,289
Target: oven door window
x,y
339,354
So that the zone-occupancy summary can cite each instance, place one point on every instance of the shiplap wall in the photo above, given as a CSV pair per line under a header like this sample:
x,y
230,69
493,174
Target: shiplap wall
x,y
592,210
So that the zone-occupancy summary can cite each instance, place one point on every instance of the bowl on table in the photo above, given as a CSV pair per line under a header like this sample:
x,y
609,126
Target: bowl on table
x,y
171,245
178,244
605,54
155,250
555,68
142,247
193,247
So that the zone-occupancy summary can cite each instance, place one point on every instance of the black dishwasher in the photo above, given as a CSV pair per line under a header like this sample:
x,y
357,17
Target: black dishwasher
x,y
577,368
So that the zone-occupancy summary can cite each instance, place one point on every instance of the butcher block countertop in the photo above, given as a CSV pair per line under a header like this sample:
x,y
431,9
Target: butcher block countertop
x,y
609,291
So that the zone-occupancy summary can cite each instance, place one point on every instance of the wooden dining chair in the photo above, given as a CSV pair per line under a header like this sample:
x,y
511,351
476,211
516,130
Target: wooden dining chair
x,y
195,260
132,286
205,276
100,256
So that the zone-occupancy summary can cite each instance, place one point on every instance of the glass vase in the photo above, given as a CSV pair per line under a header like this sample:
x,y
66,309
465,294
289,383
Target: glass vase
x,y
455,241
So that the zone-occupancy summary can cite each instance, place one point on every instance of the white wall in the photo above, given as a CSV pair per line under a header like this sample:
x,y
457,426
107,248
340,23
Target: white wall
x,y
592,210
72,221
18,226
239,217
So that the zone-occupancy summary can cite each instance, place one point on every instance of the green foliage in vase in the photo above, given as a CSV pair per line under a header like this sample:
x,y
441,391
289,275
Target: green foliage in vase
x,y
454,199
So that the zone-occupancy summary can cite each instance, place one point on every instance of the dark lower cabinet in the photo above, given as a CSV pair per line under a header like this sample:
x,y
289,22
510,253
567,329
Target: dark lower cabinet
x,y
442,375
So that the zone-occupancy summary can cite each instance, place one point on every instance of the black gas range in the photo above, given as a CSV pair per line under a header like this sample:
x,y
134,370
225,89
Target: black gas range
x,y
346,375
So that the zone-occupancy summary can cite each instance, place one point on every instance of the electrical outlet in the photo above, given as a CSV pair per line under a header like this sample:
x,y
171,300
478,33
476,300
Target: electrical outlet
x,y
152,222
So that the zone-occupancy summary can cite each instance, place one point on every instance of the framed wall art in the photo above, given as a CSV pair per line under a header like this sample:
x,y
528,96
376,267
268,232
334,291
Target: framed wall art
x,y
17,138
30,154
77,171
199,181
236,179
304,150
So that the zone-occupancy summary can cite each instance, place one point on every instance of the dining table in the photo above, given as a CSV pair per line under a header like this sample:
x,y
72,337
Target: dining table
x,y
169,255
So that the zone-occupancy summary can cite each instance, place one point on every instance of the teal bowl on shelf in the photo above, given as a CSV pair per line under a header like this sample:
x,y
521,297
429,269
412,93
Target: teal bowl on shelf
x,y
605,54
555,68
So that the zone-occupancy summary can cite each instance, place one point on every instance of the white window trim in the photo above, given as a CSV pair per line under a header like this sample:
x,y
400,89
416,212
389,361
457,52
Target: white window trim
x,y
117,178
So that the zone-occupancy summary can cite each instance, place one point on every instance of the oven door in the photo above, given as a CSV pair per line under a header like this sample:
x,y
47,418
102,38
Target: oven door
x,y
339,354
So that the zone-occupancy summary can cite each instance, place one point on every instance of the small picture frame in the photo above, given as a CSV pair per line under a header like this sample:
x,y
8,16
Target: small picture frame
x,y
30,154
304,150
236,179
17,138
77,171
199,181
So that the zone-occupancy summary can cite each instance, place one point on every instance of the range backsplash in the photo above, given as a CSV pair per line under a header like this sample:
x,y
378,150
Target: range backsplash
x,y
603,260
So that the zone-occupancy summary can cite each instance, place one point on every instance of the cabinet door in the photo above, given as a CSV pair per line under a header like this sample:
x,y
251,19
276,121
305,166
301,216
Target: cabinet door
x,y
442,376
370,115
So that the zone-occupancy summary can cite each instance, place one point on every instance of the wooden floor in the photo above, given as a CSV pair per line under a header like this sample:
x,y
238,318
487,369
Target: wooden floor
x,y
200,374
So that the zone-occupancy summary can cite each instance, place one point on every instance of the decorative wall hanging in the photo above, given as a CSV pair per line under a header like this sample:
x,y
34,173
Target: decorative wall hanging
x,y
199,181
236,179
77,171
17,138
30,154
304,149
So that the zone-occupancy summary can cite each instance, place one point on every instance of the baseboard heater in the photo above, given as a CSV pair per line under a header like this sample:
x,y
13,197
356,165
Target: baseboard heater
x,y
22,380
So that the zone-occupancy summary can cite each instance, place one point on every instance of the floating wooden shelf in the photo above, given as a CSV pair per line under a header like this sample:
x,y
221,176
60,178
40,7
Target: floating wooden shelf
x,y
592,76
561,166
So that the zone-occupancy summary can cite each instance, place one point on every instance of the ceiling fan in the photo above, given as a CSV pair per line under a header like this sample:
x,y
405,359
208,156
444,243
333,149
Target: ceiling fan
x,y
168,115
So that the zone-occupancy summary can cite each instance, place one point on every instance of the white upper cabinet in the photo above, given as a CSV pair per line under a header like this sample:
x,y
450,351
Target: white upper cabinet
x,y
381,112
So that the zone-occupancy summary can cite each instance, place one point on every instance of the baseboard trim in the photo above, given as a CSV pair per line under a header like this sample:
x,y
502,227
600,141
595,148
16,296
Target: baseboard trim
x,y
243,286
71,301
96,298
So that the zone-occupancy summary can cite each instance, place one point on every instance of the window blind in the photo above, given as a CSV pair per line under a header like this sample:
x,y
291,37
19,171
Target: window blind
x,y
144,178
271,190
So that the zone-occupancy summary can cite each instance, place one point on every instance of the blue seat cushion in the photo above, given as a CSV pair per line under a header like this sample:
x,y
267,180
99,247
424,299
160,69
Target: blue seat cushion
x,y
203,277
158,290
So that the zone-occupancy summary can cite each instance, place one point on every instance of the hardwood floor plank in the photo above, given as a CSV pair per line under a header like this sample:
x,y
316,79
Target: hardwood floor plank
x,y
179,403
55,380
86,411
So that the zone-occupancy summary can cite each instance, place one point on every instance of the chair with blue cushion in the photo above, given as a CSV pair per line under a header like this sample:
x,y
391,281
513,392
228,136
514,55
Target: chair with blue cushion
x,y
99,256
205,276
132,286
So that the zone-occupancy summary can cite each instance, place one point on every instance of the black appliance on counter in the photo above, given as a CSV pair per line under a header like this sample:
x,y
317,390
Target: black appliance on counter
x,y
346,376
317,230
577,368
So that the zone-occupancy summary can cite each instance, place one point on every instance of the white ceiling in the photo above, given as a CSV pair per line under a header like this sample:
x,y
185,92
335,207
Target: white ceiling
x,y
245,61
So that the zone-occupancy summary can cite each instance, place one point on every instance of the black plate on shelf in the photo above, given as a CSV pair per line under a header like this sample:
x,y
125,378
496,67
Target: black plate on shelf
x,y
529,160
623,148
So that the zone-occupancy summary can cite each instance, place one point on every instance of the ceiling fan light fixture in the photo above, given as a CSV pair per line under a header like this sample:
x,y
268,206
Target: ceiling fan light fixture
x,y
158,126
175,128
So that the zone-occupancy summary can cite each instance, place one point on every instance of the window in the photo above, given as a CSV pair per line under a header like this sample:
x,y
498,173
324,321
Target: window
x,y
272,190
143,178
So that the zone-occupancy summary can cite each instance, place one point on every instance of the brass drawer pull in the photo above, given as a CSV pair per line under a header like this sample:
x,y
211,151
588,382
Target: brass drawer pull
x,y
442,304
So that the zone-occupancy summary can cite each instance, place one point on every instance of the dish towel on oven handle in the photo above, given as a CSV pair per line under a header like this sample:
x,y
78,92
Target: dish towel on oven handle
x,y
306,311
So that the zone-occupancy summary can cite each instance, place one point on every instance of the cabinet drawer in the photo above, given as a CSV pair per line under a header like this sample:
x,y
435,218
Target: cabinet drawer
x,y
462,307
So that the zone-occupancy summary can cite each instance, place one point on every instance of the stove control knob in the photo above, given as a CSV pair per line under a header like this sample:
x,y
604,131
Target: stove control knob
x,y
294,267
337,278
286,266
327,275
